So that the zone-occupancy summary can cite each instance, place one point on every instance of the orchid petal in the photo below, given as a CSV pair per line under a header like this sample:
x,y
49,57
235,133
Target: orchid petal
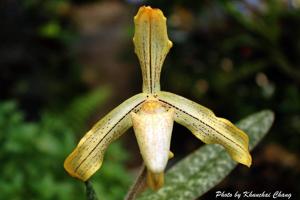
x,y
207,127
151,45
153,132
153,126
87,157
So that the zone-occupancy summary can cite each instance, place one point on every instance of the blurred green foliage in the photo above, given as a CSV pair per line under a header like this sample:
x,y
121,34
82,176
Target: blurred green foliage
x,y
37,55
32,154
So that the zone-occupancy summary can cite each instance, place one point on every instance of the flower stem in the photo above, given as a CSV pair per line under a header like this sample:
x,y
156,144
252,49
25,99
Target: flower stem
x,y
137,185
90,192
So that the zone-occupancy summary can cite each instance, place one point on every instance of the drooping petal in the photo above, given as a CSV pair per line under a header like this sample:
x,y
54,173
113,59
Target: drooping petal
x,y
153,133
207,127
153,126
87,157
151,45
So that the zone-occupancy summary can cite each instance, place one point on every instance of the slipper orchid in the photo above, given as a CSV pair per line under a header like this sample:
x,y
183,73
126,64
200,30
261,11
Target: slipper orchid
x,y
152,113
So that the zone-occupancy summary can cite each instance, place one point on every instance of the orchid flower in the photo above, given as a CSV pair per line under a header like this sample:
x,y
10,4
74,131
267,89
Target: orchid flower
x,y
152,114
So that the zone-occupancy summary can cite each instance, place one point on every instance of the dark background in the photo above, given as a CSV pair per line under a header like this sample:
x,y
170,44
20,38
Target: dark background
x,y
65,63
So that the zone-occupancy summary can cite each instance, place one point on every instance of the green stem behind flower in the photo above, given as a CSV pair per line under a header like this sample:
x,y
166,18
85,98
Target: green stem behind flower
x,y
90,192
136,186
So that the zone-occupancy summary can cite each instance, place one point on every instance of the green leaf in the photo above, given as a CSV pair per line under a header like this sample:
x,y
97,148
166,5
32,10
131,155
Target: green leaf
x,y
206,167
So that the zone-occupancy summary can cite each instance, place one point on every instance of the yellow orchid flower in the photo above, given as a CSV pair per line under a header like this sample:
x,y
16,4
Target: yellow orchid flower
x,y
152,113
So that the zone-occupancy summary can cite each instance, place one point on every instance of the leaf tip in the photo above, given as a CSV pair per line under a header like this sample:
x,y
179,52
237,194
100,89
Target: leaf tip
x,y
271,115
